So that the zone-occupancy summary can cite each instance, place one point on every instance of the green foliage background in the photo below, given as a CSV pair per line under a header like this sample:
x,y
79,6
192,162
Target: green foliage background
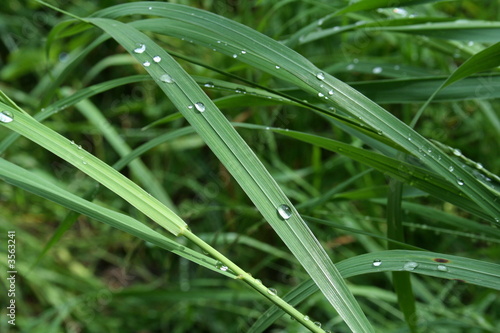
x,y
95,278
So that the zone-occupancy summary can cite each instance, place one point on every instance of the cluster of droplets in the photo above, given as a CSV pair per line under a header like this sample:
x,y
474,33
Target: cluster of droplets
x,y
220,266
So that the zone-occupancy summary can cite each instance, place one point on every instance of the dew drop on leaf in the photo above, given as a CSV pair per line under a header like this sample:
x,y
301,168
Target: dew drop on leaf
x,y
320,76
442,268
272,292
410,266
156,59
166,78
376,263
377,70
219,265
200,106
284,212
140,48
6,117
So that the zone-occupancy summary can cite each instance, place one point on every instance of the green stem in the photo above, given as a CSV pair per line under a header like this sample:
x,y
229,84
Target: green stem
x,y
253,282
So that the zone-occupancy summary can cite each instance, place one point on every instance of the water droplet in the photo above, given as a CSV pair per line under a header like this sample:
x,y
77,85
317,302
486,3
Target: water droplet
x,y
377,263
377,70
400,11
317,323
284,212
243,52
190,106
451,168
219,265
470,43
209,85
84,163
240,91
330,92
79,147
166,78
306,318
479,166
146,63
321,94
320,76
156,58
460,181
200,106
6,116
235,56
442,268
457,152
272,291
140,48
277,67
410,266
320,21
258,281
350,67
150,8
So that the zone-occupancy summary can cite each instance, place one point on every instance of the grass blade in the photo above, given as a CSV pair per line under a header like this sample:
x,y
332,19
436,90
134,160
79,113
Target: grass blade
x,y
239,159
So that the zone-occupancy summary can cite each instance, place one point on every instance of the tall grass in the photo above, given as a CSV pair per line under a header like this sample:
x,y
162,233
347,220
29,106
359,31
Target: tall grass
x,y
365,141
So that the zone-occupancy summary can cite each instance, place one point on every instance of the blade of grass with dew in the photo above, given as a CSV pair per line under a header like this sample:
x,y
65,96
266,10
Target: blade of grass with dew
x,y
265,54
363,5
403,91
29,181
441,217
18,120
65,102
464,30
395,91
120,164
138,168
400,280
242,163
414,176
488,58
439,265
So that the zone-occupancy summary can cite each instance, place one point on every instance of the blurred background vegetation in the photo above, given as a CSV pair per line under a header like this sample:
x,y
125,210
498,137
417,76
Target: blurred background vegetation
x,y
97,279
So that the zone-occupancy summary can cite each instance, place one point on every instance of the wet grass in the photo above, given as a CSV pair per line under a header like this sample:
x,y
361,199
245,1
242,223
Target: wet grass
x,y
290,181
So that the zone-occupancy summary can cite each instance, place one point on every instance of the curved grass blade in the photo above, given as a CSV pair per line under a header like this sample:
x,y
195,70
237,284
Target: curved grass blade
x,y
73,99
488,58
27,126
464,270
464,30
414,176
242,163
264,53
29,181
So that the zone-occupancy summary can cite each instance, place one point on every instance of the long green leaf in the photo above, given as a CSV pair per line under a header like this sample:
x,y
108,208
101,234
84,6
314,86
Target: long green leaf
x,y
29,181
27,126
264,53
439,265
239,159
